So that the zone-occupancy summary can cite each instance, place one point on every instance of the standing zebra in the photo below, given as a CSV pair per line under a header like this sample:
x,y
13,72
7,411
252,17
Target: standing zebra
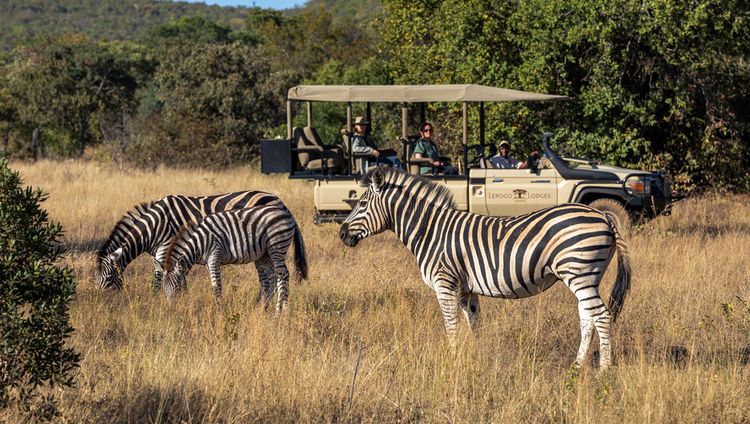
x,y
462,255
151,226
261,234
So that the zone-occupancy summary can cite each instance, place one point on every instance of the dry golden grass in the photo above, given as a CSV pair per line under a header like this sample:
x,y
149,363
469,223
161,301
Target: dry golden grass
x,y
364,311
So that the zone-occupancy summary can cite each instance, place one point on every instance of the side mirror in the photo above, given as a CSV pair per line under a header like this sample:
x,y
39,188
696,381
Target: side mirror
x,y
533,164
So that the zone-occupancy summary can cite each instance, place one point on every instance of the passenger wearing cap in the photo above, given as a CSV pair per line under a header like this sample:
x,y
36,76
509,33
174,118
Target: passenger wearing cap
x,y
363,144
503,160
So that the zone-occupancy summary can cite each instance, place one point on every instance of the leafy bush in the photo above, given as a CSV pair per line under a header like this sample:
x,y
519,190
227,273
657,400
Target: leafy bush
x,y
652,84
34,298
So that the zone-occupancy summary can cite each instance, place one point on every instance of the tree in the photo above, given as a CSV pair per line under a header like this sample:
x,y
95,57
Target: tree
x,y
34,298
62,85
216,102
653,84
299,44
192,30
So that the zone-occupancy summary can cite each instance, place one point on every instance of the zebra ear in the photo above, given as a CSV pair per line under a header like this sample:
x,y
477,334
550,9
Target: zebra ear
x,y
116,255
181,265
157,265
377,178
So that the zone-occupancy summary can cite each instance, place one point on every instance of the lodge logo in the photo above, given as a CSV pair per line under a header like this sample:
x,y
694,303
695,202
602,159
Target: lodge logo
x,y
519,195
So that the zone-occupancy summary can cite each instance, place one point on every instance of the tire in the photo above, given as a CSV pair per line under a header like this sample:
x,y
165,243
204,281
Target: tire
x,y
616,211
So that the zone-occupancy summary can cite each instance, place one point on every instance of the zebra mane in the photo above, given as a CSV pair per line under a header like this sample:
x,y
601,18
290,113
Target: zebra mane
x,y
433,193
129,218
173,242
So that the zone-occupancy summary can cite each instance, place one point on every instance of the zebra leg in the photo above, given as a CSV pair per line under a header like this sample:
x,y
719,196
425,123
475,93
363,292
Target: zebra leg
x,y
470,306
282,280
267,280
587,334
214,270
446,289
603,323
593,313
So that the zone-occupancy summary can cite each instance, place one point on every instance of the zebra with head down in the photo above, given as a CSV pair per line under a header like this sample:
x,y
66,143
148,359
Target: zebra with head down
x,y
261,235
462,255
150,227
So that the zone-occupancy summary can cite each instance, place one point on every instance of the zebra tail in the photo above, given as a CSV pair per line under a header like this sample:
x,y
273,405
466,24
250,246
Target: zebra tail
x,y
624,275
300,256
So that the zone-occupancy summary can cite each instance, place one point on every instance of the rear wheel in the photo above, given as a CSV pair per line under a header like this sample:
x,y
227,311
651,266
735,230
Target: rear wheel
x,y
616,211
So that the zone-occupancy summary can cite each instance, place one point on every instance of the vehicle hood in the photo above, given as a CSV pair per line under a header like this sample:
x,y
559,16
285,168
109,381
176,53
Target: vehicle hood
x,y
620,172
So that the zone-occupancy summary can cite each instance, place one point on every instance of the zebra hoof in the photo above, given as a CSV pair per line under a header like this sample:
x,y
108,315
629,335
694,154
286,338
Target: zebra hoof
x,y
745,355
677,355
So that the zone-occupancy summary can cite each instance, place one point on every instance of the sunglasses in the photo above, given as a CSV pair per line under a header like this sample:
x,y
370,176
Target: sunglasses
x,y
427,130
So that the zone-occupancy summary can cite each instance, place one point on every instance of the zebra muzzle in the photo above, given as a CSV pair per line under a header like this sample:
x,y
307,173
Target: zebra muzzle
x,y
347,238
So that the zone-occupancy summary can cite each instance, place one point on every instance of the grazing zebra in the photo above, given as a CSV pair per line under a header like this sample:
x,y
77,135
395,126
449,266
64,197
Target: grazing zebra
x,y
462,255
151,226
261,234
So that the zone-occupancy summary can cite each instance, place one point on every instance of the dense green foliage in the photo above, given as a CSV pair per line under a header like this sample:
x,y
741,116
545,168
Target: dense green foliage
x,y
102,19
215,101
652,84
34,297
68,86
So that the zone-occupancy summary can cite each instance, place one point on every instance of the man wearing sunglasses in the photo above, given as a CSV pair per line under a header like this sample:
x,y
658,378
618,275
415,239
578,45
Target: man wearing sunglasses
x,y
425,148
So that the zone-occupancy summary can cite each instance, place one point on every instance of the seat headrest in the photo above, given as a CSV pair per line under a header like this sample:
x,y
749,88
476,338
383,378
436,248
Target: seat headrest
x,y
312,135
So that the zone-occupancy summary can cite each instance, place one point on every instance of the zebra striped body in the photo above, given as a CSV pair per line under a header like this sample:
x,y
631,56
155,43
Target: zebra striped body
x,y
462,255
261,235
151,226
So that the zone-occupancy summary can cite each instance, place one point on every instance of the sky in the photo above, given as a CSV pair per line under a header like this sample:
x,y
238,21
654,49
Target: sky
x,y
273,4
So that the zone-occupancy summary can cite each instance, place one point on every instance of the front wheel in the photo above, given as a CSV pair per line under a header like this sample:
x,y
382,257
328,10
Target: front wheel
x,y
616,211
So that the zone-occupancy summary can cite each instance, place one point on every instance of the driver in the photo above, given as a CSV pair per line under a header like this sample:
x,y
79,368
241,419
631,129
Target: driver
x,y
503,160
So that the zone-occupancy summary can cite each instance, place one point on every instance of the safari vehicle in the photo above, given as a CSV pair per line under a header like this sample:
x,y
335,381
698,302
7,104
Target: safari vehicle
x,y
622,193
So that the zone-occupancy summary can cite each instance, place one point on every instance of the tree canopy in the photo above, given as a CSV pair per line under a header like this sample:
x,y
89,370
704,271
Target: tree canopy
x,y
653,84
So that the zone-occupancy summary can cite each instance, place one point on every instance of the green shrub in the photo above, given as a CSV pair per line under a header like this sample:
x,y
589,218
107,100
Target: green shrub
x,y
34,298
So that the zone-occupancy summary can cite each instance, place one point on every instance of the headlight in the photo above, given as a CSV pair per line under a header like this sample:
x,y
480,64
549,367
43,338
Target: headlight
x,y
639,185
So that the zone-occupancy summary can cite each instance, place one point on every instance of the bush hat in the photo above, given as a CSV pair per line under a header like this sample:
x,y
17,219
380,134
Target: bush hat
x,y
361,120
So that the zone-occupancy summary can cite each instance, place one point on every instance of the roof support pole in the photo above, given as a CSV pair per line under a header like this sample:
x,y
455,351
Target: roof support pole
x,y
404,120
465,110
368,114
309,114
350,162
481,123
349,117
289,119
404,130
422,114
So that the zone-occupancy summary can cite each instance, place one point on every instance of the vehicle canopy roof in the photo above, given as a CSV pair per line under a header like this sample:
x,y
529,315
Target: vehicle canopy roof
x,y
413,93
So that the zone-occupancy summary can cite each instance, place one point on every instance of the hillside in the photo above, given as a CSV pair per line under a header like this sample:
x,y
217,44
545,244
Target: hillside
x,y
101,19
130,19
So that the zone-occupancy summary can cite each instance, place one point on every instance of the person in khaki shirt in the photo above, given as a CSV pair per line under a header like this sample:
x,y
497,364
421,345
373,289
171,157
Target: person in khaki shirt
x,y
363,144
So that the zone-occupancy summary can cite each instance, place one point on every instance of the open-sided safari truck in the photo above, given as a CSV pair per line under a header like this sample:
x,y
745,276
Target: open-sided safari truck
x,y
622,193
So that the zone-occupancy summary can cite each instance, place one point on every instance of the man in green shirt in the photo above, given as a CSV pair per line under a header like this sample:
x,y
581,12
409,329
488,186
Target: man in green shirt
x,y
425,148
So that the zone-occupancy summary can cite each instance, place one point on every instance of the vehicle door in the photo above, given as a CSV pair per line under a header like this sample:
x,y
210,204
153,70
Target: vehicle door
x,y
511,192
